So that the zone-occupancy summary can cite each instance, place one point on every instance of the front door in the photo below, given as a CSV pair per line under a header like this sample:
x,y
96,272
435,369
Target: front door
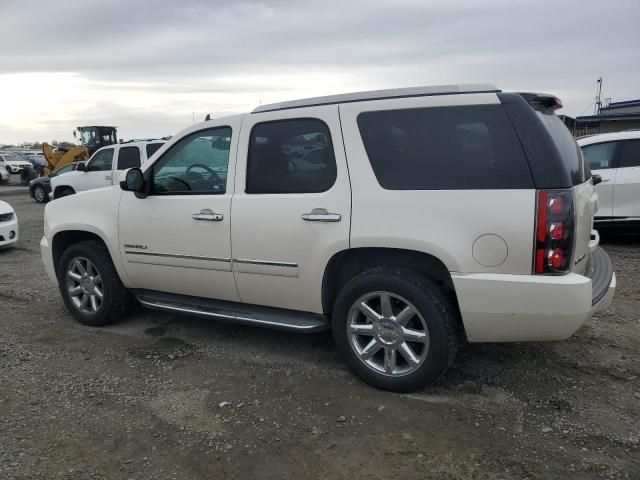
x,y
291,208
177,239
601,158
626,193
99,171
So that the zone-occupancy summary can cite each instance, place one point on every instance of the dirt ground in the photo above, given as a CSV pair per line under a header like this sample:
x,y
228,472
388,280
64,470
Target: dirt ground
x,y
159,396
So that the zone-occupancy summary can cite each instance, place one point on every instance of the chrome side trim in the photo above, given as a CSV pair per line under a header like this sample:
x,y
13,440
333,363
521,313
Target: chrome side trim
x,y
175,255
265,262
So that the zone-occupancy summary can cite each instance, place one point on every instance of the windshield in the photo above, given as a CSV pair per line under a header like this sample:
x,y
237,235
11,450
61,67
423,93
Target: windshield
x,y
12,158
107,136
88,137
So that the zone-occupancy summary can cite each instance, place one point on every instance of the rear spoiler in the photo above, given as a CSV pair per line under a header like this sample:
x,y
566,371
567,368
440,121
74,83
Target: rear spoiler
x,y
542,99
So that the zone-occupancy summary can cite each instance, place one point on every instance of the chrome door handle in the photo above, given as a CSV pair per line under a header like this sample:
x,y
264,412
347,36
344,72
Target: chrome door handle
x,y
605,180
208,215
321,215
108,177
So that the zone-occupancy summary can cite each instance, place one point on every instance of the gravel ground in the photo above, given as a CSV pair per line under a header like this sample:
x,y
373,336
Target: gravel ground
x,y
166,397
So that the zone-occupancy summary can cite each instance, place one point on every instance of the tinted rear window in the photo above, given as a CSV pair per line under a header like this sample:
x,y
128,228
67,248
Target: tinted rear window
x,y
152,148
567,147
129,157
444,148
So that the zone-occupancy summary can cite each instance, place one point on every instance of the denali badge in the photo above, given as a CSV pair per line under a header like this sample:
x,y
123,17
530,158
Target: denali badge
x,y
141,247
580,259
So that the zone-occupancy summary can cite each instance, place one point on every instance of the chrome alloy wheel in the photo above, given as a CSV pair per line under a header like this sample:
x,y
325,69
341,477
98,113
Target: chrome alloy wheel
x,y
387,333
84,285
39,194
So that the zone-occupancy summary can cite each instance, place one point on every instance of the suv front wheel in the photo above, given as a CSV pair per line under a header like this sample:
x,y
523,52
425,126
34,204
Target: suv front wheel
x,y
395,329
90,286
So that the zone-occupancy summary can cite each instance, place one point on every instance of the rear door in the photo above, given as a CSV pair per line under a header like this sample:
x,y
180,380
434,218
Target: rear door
x,y
128,157
626,193
291,210
601,158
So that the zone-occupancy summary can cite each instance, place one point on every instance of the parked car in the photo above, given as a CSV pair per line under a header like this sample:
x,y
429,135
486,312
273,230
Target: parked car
x,y
616,158
430,215
40,188
4,175
8,226
101,170
12,162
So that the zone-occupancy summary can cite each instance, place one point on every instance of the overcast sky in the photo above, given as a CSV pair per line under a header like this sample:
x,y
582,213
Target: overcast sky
x,y
146,66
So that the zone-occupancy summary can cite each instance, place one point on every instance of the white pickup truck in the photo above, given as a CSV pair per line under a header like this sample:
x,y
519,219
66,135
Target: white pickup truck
x,y
403,220
103,168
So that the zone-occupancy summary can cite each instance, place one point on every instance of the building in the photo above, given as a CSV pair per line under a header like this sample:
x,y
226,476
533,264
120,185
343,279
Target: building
x,y
615,117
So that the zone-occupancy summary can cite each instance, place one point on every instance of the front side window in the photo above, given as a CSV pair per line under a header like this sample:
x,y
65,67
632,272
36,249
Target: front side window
x,y
197,163
128,157
290,156
600,155
102,161
630,153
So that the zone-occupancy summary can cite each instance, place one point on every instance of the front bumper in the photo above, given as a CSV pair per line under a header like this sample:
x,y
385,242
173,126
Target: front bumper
x,y
9,233
47,259
520,308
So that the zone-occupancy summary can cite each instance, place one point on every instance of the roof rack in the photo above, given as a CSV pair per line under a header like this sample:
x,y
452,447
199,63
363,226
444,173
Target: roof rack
x,y
379,95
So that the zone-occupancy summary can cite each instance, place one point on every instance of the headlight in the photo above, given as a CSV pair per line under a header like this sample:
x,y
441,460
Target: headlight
x,y
5,217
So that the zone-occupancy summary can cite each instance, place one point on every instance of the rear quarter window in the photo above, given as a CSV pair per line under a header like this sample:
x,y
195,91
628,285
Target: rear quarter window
x,y
152,148
567,147
444,148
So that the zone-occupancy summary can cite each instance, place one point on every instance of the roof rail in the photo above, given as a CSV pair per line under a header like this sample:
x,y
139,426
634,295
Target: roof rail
x,y
379,95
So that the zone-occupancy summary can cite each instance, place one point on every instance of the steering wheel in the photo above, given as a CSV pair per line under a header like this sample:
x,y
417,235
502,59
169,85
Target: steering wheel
x,y
180,180
204,167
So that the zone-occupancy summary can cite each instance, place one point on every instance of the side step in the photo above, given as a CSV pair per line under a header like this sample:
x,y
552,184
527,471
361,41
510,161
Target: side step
x,y
234,312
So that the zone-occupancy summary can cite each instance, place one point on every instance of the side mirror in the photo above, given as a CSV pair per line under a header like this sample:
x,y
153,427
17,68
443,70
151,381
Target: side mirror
x,y
82,167
133,181
596,179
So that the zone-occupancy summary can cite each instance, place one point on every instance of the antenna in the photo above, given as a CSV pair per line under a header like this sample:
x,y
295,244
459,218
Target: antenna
x,y
598,97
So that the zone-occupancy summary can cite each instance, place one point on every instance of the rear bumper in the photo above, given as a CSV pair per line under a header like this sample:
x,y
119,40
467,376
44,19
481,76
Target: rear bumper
x,y
520,308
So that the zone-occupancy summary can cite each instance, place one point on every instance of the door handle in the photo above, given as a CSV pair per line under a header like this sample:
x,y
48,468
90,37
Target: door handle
x,y
108,177
208,215
605,180
321,215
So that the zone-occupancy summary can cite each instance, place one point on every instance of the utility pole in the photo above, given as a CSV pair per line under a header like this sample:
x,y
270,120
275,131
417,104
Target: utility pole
x,y
598,98
193,117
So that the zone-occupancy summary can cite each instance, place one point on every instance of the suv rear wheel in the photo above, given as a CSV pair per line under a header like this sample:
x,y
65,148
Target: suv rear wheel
x,y
90,286
395,329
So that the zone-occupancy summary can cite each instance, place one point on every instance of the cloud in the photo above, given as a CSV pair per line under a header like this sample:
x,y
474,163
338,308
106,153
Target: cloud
x,y
146,61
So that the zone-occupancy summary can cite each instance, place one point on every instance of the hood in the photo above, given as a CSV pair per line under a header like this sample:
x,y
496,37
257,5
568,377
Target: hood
x,y
5,207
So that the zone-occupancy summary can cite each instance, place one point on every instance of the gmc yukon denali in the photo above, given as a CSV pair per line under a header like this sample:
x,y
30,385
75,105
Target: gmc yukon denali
x,y
406,221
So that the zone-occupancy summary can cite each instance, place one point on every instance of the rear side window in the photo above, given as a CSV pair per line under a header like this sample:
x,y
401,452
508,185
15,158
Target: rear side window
x,y
290,156
152,148
630,153
566,145
600,155
128,157
444,148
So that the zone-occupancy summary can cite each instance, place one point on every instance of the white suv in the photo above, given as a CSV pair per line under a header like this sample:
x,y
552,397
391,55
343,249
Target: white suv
x,y
13,163
104,167
615,157
404,220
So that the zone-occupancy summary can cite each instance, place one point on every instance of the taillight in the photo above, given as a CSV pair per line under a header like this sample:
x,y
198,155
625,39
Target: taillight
x,y
554,232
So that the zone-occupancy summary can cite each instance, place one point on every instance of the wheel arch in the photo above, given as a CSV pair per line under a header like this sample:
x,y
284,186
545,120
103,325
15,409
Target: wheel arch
x,y
346,264
65,238
59,188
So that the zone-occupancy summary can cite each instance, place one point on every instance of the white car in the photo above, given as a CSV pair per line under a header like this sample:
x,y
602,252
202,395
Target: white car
x,y
8,226
4,175
104,167
419,217
616,158
13,163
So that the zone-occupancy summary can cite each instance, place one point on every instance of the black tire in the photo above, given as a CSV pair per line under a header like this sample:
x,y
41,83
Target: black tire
x,y
64,192
40,195
117,301
429,300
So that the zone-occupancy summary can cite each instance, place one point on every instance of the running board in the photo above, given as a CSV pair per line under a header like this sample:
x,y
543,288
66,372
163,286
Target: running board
x,y
234,312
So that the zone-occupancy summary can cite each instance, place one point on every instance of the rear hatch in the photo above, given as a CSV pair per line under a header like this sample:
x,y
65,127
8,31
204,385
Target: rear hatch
x,y
584,197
